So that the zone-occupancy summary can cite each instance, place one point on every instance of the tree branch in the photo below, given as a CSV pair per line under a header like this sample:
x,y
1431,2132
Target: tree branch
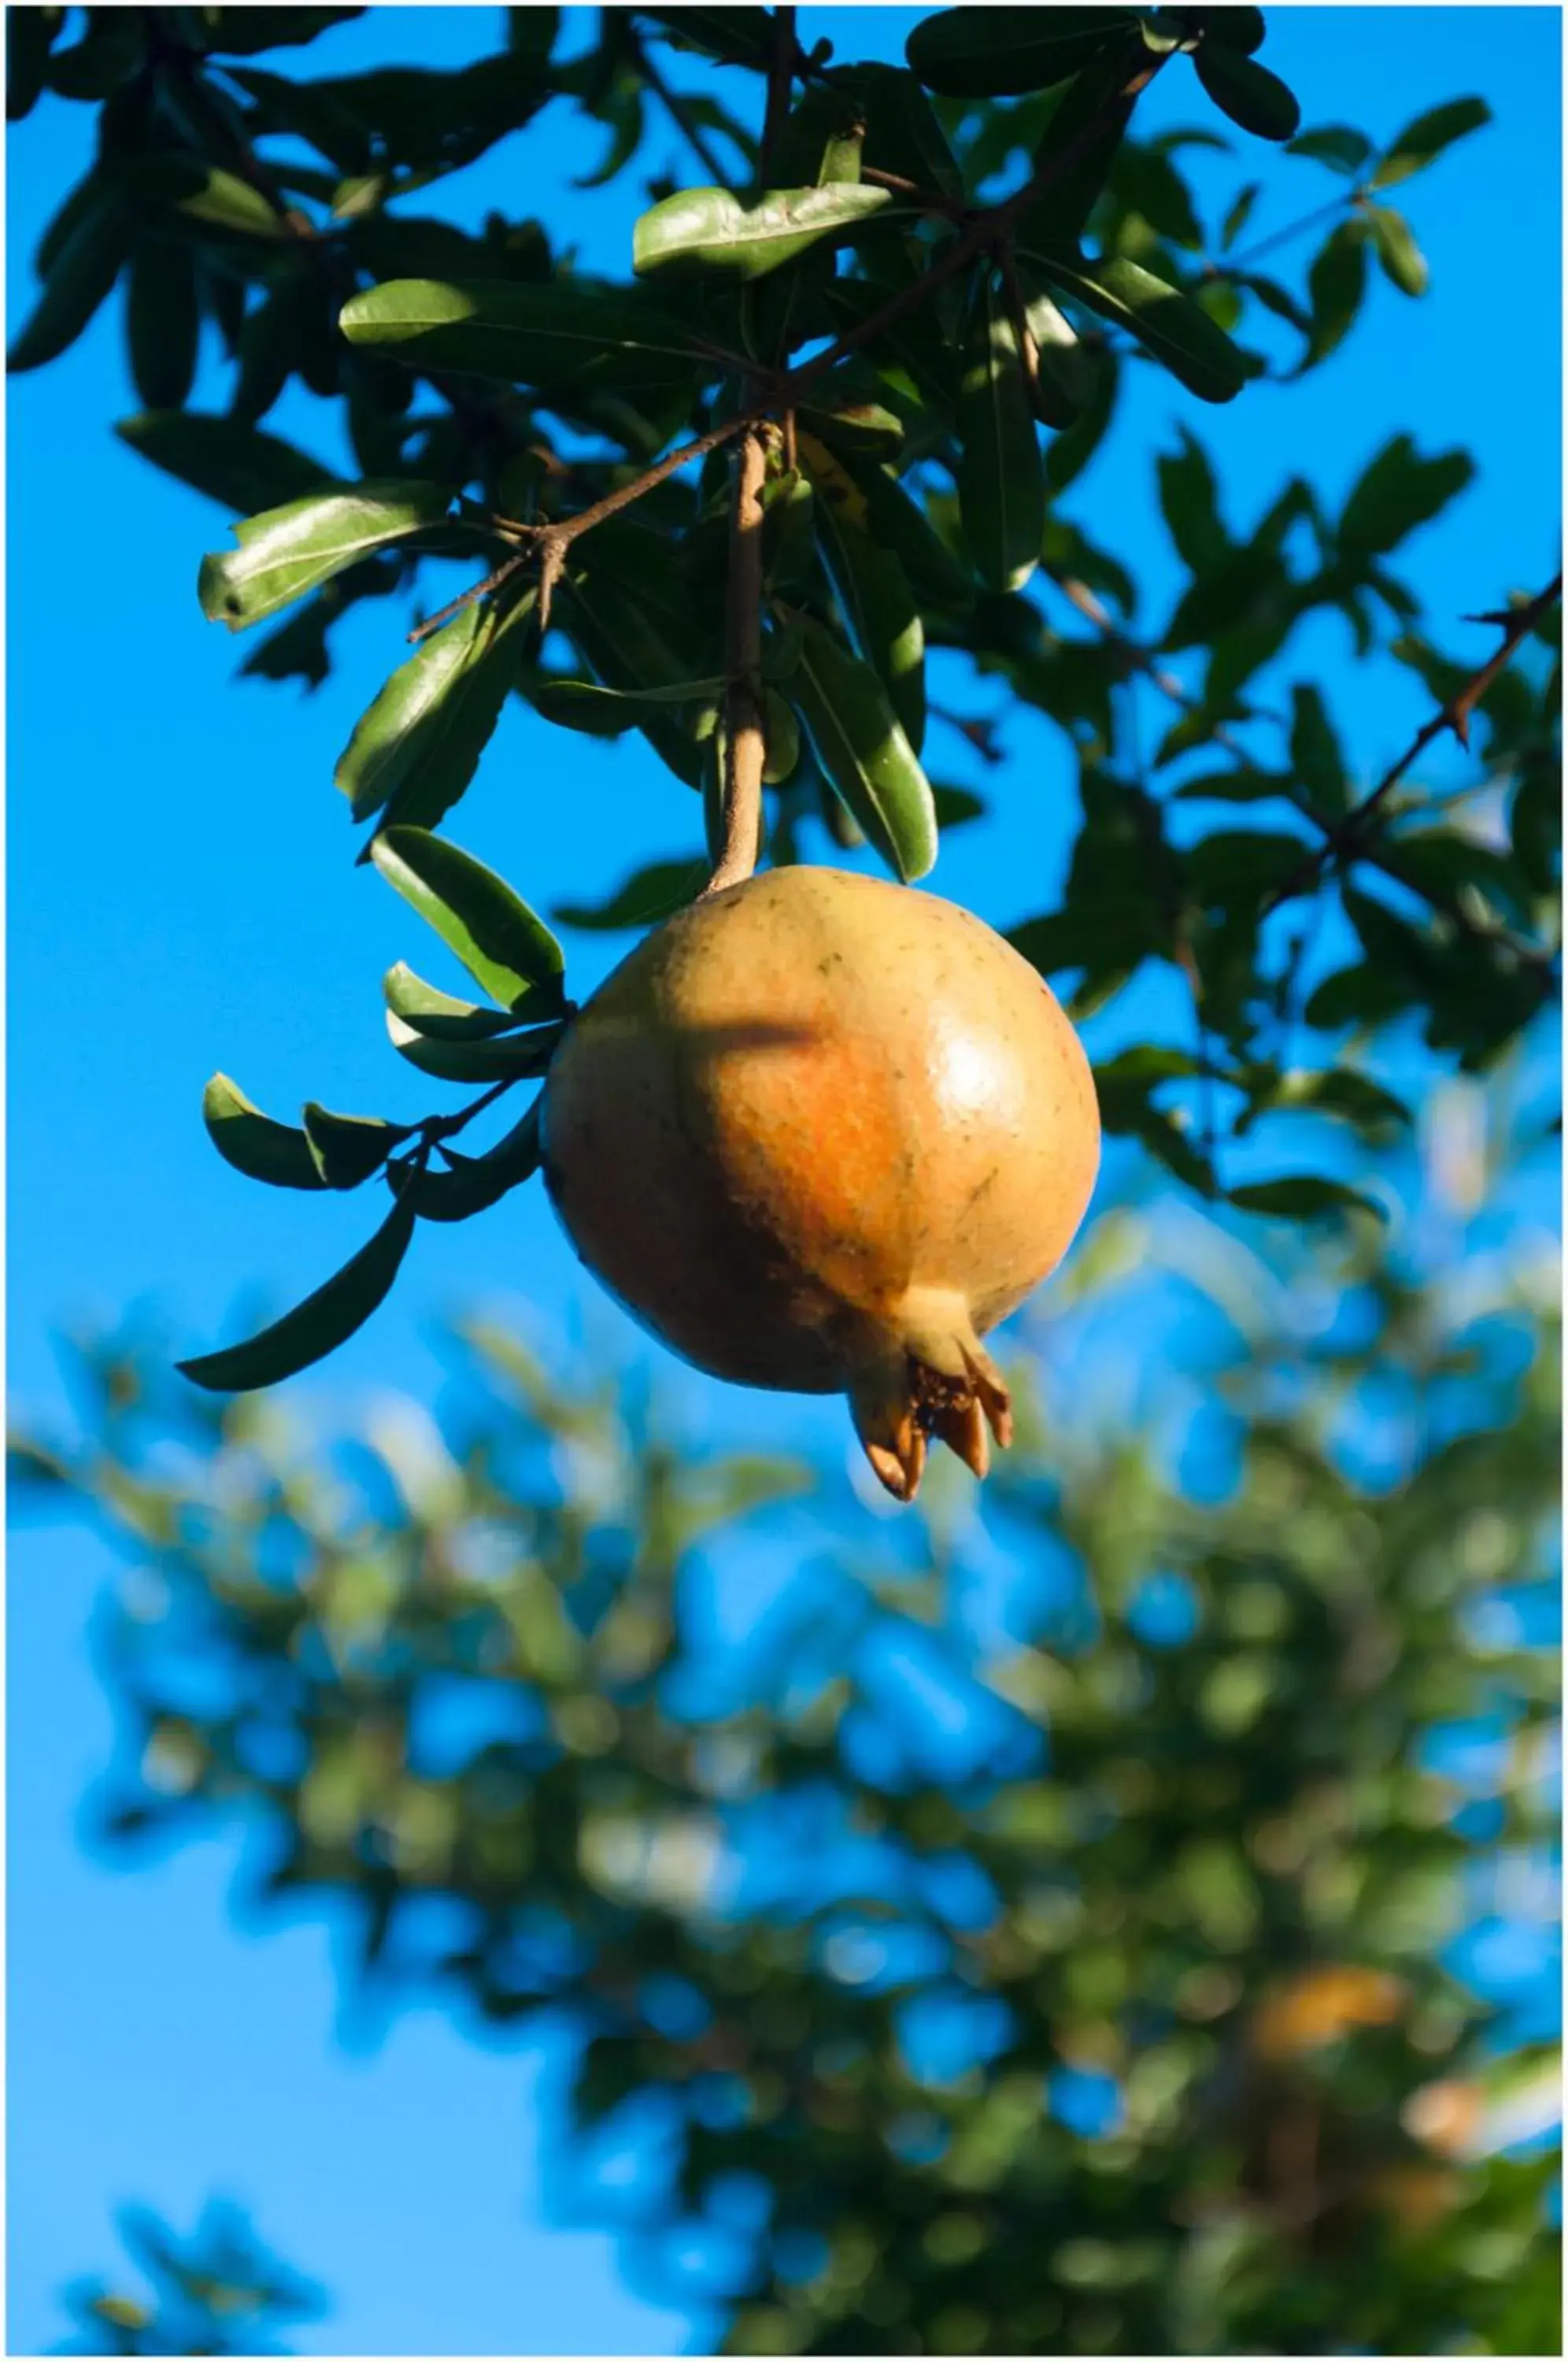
x,y
746,745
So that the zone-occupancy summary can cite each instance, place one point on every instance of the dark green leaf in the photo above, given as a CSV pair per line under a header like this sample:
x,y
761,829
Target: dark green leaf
x,y
474,1183
505,948
1315,754
1423,140
30,34
508,1057
1397,492
1001,492
185,193
1189,499
162,325
415,749
902,134
240,32
710,229
318,1326
1235,29
1065,375
348,1148
1305,1197
1335,286
872,590
1247,92
984,52
286,551
79,276
1169,325
864,753
253,1143
955,806
1239,215
1335,145
649,895
570,333
237,465
1401,257
740,37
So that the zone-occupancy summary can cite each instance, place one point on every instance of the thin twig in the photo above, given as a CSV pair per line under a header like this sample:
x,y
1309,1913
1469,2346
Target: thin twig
x,y
1348,835
929,201
1251,254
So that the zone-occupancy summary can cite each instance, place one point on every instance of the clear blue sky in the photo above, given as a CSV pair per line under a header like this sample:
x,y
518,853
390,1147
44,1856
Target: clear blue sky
x,y
181,899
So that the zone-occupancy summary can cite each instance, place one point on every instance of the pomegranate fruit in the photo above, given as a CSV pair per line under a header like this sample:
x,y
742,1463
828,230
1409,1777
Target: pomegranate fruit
x,y
821,1132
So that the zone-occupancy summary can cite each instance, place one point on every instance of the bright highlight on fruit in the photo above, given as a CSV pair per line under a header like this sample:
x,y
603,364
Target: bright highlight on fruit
x,y
820,1132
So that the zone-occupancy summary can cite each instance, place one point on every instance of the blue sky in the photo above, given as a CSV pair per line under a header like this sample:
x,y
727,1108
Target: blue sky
x,y
182,898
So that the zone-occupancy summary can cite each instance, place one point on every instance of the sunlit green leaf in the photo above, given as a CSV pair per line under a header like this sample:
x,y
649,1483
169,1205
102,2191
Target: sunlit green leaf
x,y
504,946
289,550
253,1143
710,229
864,753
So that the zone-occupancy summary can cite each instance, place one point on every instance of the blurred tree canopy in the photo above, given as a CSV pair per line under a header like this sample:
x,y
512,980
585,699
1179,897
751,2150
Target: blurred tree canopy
x,y
216,2292
910,297
1032,1935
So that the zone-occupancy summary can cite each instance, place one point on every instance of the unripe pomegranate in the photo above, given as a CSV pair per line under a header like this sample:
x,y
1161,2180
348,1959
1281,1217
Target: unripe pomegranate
x,y
820,1131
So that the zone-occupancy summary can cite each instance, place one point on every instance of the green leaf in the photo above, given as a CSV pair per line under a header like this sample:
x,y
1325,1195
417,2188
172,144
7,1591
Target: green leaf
x,y
348,1148
1189,499
650,894
508,1057
1236,29
864,753
1402,259
1397,492
981,52
237,465
566,333
871,587
255,1145
1305,1197
613,610
474,1183
415,749
286,551
1335,145
162,325
1335,286
1339,1091
710,229
1170,327
506,948
1064,378
1247,92
902,134
1422,142
1242,786
318,1326
438,1014
1315,754
183,190
1001,492
1089,119
955,806
30,34
240,31
740,37
1239,215
78,278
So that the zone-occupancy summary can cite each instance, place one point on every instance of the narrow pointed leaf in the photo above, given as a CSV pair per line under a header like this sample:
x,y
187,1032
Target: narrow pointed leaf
x,y
287,551
318,1326
234,463
547,334
162,325
417,747
505,947
1422,142
507,1057
1169,325
871,587
1397,492
253,1143
1247,92
441,1015
79,277
1402,259
348,1148
649,895
1001,492
979,52
1305,1197
864,752
710,229
1335,145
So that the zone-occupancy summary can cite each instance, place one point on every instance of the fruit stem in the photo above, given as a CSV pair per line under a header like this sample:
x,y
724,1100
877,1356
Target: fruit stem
x,y
744,741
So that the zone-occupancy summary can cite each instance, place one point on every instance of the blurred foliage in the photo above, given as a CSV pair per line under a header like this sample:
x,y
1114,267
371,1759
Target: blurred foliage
x,y
1024,1925
218,2291
938,297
